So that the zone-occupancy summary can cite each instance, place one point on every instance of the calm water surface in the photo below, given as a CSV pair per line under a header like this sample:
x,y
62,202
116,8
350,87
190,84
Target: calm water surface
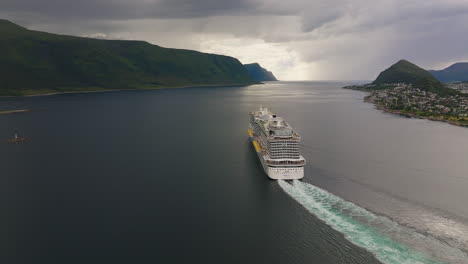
x,y
169,176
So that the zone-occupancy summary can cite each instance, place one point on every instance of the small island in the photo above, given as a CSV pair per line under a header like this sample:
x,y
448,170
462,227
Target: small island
x,y
411,91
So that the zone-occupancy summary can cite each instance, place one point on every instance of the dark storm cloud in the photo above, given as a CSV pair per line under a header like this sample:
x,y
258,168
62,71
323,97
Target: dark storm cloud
x,y
135,9
321,39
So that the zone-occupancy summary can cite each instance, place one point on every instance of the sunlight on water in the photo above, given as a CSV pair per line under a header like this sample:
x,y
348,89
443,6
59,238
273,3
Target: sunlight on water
x,y
389,242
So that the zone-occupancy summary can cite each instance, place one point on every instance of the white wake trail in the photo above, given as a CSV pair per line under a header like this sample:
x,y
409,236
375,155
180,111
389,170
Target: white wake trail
x,y
390,242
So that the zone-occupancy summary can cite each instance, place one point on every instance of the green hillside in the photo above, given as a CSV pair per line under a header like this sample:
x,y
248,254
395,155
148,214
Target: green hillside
x,y
33,62
407,72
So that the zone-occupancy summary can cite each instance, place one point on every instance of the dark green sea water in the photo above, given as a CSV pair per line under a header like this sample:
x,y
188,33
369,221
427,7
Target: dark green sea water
x,y
169,176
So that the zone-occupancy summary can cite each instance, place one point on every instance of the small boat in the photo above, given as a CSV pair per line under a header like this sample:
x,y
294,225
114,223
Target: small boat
x,y
17,139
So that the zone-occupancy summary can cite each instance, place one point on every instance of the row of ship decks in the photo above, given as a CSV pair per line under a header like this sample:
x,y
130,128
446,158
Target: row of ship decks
x,y
285,162
282,147
275,138
283,133
279,147
280,153
293,137
275,127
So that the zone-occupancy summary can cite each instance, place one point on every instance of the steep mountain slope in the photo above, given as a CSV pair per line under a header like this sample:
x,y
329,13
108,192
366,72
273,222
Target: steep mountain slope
x,y
406,72
36,62
258,73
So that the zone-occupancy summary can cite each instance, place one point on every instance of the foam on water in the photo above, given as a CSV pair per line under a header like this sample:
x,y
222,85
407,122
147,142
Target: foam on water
x,y
390,242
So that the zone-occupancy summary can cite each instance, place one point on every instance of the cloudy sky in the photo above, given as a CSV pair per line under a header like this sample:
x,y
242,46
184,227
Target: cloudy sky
x,y
296,39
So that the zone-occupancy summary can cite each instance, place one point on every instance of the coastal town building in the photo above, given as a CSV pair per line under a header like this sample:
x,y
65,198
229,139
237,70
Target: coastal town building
x,y
405,99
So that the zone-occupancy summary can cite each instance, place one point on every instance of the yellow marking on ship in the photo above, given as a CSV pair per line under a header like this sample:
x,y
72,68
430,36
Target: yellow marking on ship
x,y
257,146
250,132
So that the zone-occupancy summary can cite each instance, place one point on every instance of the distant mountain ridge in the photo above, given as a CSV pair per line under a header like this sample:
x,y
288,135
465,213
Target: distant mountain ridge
x,y
403,72
258,73
406,72
34,62
454,73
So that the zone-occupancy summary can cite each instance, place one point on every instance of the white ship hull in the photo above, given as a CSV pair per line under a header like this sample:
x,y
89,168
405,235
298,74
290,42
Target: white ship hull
x,y
285,173
278,173
277,145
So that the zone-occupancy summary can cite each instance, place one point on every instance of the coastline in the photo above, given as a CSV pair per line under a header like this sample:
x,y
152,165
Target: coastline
x,y
136,89
413,115
17,111
407,114
7,112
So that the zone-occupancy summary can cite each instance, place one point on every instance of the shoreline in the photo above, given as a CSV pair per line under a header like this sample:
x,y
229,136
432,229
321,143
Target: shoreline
x,y
412,115
402,113
137,89
17,111
7,112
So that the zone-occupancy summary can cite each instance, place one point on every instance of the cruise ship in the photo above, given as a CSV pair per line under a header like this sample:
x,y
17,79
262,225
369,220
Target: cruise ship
x,y
277,145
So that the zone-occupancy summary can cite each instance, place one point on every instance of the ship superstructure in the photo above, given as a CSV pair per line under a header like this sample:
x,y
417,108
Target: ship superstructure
x,y
277,145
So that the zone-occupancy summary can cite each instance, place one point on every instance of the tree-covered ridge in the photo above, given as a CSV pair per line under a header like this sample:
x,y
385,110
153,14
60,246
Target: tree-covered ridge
x,y
409,90
36,62
402,72
406,72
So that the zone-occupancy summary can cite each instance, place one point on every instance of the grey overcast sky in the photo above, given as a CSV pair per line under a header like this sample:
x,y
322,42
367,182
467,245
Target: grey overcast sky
x,y
296,39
